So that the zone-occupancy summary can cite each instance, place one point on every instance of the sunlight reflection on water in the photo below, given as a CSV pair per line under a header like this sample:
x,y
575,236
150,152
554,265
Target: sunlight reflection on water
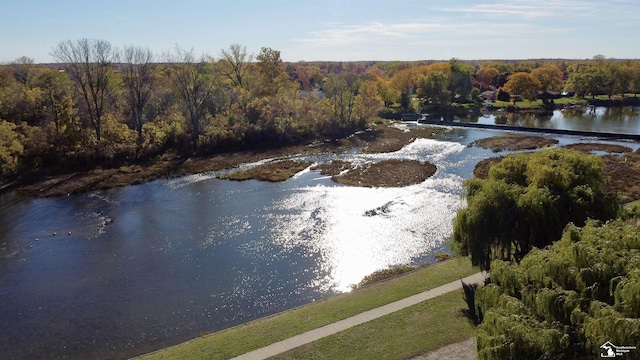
x,y
142,267
354,241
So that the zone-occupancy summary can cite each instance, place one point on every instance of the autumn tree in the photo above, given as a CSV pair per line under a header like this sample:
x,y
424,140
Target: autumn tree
x,y
367,104
271,71
193,81
138,77
487,76
550,77
404,81
527,201
523,84
10,148
388,94
23,70
235,63
89,63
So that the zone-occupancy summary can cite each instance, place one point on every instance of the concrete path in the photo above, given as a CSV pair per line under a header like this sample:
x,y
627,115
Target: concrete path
x,y
333,328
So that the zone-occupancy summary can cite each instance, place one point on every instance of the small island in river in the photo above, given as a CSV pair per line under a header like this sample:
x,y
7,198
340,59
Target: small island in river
x,y
387,173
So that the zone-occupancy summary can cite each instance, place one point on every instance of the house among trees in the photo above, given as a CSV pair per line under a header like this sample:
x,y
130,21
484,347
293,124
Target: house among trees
x,y
488,95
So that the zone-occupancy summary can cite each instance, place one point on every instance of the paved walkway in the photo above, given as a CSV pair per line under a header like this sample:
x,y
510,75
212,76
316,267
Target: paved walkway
x,y
333,328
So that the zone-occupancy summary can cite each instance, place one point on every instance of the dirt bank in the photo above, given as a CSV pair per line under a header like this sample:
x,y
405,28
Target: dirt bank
x,y
382,138
387,173
514,142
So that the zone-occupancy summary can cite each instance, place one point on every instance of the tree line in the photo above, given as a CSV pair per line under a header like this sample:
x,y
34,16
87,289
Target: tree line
x,y
104,106
100,105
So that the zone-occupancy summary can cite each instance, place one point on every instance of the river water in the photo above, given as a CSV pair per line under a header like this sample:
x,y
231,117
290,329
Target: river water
x,y
134,269
623,120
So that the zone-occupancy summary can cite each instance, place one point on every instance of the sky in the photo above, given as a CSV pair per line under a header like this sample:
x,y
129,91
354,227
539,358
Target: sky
x,y
331,30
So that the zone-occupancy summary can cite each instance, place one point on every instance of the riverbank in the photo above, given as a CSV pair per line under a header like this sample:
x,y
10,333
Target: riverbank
x,y
256,334
539,105
381,138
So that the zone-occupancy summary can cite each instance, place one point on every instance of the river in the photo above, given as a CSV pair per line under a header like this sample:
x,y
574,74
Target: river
x,y
114,274
623,120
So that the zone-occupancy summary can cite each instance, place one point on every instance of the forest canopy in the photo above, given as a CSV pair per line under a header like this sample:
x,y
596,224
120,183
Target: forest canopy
x,y
103,106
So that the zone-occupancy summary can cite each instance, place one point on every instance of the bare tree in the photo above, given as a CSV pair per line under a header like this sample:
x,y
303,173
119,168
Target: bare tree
x,y
89,63
22,70
137,73
193,80
235,63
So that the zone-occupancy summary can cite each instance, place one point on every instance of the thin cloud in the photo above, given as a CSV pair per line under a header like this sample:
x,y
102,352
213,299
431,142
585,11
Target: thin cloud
x,y
377,33
527,10
340,34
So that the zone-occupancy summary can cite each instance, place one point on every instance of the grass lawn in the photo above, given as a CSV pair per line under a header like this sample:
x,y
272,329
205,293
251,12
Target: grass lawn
x,y
401,335
538,103
244,338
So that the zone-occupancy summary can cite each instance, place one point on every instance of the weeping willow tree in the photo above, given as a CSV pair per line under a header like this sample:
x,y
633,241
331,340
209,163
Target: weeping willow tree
x,y
527,201
567,300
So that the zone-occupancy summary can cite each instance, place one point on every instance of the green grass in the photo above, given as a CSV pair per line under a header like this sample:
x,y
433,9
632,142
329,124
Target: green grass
x,y
244,338
401,335
538,103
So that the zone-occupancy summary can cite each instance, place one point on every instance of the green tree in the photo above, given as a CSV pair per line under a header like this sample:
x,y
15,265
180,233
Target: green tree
x,y
622,75
523,84
460,83
591,78
20,103
10,148
503,95
527,201
635,78
405,101
89,63
57,99
435,86
388,94
567,300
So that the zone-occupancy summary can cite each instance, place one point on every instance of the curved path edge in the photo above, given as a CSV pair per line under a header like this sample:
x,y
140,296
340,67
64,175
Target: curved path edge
x,y
333,328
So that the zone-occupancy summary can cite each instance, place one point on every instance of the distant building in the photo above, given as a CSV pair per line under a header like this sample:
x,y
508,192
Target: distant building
x,y
488,95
